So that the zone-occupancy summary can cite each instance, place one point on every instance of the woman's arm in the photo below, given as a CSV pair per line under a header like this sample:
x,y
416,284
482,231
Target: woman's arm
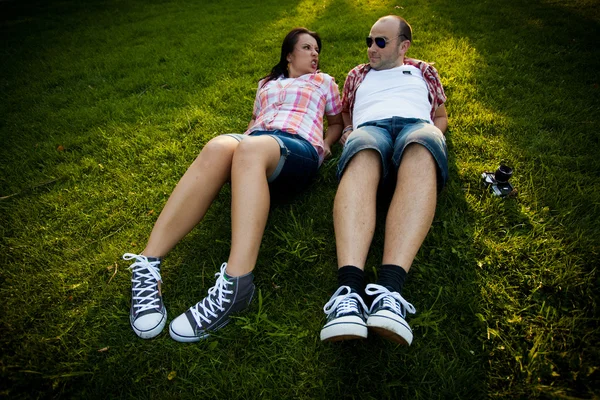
x,y
333,133
251,123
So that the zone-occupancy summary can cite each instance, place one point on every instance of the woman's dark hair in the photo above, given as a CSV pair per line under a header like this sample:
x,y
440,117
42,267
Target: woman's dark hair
x,y
286,48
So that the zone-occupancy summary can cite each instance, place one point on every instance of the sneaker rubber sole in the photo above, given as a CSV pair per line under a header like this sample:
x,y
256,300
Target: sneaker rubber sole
x,y
186,339
390,326
344,328
178,337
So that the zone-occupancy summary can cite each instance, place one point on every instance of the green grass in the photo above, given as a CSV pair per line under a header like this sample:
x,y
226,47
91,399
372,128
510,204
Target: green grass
x,y
103,106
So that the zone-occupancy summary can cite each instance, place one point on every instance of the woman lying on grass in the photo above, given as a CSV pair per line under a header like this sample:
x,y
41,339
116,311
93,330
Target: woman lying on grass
x,y
280,152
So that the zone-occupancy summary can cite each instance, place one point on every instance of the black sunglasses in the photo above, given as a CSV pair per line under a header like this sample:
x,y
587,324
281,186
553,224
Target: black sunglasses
x,y
379,41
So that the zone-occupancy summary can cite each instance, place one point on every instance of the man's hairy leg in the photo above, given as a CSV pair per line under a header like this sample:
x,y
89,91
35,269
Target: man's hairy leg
x,y
412,207
354,208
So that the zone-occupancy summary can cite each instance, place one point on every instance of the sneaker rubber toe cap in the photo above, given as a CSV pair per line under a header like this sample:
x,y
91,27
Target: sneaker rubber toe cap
x,y
149,325
182,331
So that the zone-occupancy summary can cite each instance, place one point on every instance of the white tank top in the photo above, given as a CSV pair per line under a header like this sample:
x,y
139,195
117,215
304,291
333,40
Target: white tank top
x,y
395,92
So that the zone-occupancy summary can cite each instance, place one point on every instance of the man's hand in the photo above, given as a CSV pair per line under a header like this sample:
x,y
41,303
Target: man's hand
x,y
345,136
347,127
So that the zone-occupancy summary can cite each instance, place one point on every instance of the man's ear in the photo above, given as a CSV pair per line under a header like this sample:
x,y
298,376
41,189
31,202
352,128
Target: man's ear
x,y
406,45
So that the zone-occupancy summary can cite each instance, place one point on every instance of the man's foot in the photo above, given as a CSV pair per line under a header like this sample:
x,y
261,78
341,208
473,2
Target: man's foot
x,y
229,295
148,314
345,316
387,314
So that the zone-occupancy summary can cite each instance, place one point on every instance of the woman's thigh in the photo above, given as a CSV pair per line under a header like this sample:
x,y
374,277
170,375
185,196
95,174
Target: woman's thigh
x,y
298,162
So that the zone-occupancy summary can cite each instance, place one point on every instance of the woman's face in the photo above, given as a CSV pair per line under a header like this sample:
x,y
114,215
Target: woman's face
x,y
305,57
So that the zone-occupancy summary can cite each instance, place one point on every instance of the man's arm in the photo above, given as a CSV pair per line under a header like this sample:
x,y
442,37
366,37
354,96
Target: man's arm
x,y
347,119
353,80
333,133
440,118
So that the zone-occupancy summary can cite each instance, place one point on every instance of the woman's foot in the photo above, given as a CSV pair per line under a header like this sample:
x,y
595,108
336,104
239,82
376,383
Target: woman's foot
x,y
228,295
148,314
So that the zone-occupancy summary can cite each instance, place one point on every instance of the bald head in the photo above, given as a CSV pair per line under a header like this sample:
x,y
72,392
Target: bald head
x,y
403,27
396,34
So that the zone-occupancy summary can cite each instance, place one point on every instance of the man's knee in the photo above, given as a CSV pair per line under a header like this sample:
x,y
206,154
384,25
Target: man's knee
x,y
366,158
418,165
366,161
367,149
417,160
416,152
363,168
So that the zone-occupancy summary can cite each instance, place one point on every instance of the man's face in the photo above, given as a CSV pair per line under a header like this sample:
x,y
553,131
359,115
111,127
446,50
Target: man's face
x,y
392,54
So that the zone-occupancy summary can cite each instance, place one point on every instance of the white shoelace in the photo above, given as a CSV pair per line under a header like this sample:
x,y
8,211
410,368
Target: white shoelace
x,y
392,300
144,283
215,299
344,303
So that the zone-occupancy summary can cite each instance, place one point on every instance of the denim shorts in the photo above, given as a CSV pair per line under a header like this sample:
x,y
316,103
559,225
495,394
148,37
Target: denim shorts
x,y
389,137
298,164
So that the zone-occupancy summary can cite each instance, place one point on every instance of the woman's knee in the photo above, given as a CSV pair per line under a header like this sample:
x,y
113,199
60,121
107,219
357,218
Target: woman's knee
x,y
219,149
256,151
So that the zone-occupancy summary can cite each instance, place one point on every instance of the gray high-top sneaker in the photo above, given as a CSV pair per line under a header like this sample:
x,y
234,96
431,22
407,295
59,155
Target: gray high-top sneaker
x,y
228,295
148,314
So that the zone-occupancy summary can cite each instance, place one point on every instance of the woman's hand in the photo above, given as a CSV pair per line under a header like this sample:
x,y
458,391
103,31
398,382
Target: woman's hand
x,y
334,130
327,150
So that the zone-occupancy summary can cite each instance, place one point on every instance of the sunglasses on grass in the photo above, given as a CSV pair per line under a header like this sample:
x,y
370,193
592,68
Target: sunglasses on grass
x,y
379,41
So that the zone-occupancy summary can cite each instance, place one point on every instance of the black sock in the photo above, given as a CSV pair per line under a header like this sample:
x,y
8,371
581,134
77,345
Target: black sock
x,y
392,277
354,277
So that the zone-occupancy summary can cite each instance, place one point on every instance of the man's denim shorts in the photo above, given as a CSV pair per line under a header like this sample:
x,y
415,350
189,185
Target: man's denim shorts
x,y
389,137
298,164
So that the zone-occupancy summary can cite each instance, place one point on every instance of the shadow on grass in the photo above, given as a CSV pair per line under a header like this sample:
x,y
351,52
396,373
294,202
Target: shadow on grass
x,y
38,347
537,264
468,339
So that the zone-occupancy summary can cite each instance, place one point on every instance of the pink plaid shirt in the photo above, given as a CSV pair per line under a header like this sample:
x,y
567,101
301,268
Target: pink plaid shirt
x,y
297,106
432,79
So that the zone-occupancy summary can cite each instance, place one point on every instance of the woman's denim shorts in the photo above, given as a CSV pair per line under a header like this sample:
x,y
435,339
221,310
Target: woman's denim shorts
x,y
298,163
389,137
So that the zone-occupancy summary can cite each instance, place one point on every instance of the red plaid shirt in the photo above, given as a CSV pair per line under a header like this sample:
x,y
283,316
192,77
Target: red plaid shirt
x,y
357,75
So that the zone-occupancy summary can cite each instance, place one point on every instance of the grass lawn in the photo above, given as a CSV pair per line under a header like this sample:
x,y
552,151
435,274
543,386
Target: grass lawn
x,y
104,104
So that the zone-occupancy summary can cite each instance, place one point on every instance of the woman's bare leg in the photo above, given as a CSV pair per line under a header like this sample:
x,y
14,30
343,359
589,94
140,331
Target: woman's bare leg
x,y
254,161
192,196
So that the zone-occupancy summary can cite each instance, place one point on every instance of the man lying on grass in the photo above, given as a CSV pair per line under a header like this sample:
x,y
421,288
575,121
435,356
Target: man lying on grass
x,y
393,109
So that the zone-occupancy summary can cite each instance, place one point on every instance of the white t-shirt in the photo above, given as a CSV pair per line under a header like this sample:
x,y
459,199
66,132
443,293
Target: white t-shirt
x,y
395,92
